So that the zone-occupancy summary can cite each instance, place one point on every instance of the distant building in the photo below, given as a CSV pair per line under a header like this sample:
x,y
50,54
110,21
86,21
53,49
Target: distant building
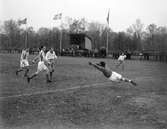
x,y
82,40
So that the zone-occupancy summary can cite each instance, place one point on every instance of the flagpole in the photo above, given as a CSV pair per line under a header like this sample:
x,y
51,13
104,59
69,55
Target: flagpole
x,y
26,36
107,42
61,37
58,17
107,31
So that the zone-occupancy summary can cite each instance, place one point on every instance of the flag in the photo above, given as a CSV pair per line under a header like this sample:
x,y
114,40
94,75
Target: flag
x,y
108,17
57,16
24,21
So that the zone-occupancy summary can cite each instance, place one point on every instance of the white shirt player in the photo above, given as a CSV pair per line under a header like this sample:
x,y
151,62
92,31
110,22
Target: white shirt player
x,y
111,75
24,59
121,57
42,61
51,56
41,65
24,55
42,56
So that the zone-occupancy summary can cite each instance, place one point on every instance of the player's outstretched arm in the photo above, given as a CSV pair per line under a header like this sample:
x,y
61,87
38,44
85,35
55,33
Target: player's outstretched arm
x,y
96,66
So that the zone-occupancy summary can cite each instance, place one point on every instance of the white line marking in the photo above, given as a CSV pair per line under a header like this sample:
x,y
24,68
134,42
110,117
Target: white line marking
x,y
54,91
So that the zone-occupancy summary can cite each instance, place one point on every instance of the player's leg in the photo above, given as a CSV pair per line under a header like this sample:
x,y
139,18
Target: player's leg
x,y
22,65
51,70
51,74
32,76
26,69
26,72
43,67
39,69
19,70
128,80
48,78
123,66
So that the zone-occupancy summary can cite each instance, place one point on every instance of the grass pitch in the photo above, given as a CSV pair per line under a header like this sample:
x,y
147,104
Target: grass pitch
x,y
81,98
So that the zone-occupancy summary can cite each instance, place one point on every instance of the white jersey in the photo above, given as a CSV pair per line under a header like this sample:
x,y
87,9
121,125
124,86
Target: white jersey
x,y
42,56
121,57
51,56
115,77
24,59
41,64
24,55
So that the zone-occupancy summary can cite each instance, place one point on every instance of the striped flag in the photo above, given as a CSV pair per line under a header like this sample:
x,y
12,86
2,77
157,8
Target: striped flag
x,y
108,17
57,16
24,21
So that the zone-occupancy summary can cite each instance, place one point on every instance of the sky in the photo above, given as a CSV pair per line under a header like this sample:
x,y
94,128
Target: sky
x,y
123,13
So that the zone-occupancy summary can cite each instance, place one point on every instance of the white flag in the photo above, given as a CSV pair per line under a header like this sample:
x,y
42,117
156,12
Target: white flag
x,y
57,16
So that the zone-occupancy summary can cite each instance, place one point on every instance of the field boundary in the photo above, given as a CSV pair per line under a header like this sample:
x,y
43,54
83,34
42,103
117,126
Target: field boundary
x,y
54,91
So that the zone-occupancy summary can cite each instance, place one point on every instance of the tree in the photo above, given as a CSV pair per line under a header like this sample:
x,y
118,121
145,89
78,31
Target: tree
x,y
95,31
136,30
160,38
152,28
12,31
122,42
31,38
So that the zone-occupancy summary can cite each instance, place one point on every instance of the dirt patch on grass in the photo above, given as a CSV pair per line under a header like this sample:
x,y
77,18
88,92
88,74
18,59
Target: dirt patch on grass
x,y
143,102
150,108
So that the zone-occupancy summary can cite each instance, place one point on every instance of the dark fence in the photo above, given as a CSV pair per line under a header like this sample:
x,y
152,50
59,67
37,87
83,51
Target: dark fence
x,y
10,51
148,56
161,56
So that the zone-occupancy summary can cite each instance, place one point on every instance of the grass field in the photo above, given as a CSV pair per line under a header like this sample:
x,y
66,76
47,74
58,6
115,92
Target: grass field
x,y
81,98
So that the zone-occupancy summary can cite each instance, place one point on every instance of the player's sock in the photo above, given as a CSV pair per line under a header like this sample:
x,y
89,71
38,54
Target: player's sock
x,y
26,72
16,72
47,78
29,78
133,83
51,73
125,80
49,81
